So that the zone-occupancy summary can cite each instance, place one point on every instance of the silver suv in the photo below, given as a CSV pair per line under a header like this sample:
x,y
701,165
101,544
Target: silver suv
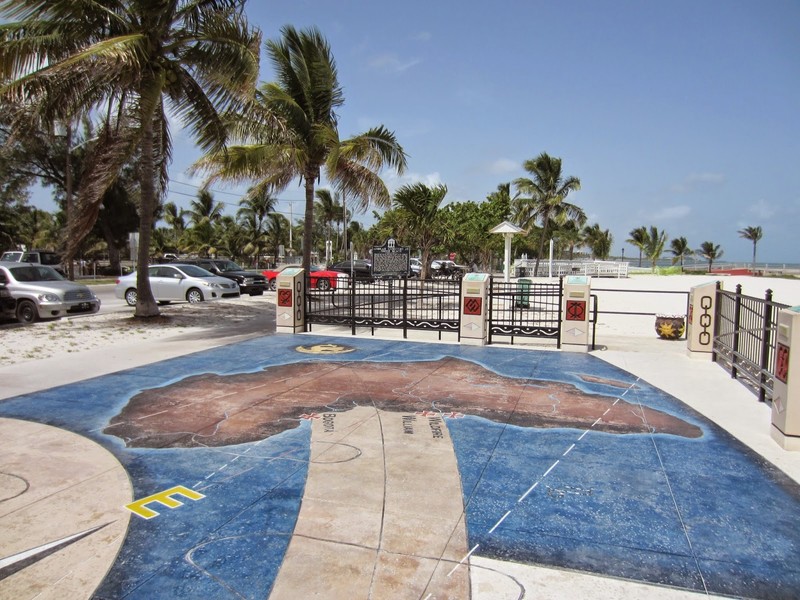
x,y
40,292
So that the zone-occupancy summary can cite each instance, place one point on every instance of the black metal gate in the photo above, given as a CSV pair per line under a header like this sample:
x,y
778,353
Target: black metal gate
x,y
525,309
432,305
744,340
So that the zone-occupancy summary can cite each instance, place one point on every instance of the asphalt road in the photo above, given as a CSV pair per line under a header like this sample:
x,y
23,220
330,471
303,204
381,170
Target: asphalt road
x,y
108,301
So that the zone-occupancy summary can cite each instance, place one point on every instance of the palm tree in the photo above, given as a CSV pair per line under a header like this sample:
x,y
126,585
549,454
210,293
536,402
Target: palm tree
x,y
201,239
753,234
134,58
173,216
638,239
598,240
205,209
290,130
253,216
654,245
231,238
417,207
710,252
328,209
543,198
36,228
680,250
570,236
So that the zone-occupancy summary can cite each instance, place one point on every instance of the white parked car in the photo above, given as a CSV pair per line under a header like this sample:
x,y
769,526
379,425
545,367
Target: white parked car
x,y
40,292
178,283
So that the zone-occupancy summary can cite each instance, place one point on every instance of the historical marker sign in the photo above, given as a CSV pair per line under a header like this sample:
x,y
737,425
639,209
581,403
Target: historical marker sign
x,y
390,260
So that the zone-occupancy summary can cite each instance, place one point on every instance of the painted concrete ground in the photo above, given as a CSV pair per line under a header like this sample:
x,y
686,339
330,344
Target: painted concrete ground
x,y
562,459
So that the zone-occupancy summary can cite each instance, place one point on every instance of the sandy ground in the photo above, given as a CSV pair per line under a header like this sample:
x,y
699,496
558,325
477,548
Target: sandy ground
x,y
248,316
77,334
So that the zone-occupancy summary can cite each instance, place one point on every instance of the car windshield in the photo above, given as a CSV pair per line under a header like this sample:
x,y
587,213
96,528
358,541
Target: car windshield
x,y
315,268
35,273
193,271
227,265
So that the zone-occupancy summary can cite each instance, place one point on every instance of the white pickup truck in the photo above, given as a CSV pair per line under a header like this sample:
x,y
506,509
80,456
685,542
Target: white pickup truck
x,y
36,257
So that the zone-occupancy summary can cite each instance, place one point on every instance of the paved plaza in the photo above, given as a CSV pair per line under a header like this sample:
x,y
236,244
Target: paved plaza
x,y
312,466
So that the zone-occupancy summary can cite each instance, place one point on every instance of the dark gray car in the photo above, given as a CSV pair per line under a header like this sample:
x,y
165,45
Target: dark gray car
x,y
252,283
361,269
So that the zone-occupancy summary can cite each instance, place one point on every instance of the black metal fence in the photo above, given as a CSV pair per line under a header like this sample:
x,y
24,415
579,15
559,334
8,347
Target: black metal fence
x,y
525,309
744,340
432,305
620,302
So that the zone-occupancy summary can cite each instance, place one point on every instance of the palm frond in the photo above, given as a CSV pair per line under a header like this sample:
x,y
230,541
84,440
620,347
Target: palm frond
x,y
362,187
376,148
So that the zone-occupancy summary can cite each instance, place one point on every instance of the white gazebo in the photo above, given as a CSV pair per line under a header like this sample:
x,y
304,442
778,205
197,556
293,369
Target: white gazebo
x,y
508,229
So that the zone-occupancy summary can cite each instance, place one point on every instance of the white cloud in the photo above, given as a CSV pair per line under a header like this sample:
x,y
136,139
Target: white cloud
x,y
394,181
762,210
504,165
672,212
391,63
423,36
698,180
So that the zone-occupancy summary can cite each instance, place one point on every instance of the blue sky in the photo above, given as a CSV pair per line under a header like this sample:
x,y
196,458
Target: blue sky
x,y
680,114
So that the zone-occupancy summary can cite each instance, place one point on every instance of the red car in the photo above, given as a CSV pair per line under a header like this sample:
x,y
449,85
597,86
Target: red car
x,y
321,278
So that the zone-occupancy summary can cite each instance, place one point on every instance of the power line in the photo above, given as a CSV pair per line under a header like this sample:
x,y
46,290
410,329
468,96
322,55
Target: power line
x,y
236,204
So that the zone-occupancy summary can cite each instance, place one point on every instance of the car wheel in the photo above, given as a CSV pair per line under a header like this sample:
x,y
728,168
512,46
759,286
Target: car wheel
x,y
26,312
273,284
323,284
131,296
193,296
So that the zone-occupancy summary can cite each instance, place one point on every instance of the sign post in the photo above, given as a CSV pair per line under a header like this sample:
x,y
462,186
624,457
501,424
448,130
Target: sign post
x,y
391,260
290,310
700,320
785,428
474,302
575,314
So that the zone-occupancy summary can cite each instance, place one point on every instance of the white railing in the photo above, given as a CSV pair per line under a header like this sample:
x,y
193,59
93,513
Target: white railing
x,y
523,267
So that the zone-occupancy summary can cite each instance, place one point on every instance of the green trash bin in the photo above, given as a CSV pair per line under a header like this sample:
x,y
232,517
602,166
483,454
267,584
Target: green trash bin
x,y
523,295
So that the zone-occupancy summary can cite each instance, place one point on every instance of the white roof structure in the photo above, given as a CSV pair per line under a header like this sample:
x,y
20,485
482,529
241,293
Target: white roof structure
x,y
506,227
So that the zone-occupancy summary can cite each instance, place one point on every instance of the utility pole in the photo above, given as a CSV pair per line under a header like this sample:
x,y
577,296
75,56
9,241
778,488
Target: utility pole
x,y
291,224
344,233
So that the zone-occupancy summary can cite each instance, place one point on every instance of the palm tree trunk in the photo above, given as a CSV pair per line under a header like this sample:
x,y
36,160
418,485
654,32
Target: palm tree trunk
x,y
541,246
70,209
308,226
145,303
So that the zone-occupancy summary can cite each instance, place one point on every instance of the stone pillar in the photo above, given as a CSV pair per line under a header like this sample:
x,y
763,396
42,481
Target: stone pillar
x,y
785,428
575,313
290,313
700,320
474,313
